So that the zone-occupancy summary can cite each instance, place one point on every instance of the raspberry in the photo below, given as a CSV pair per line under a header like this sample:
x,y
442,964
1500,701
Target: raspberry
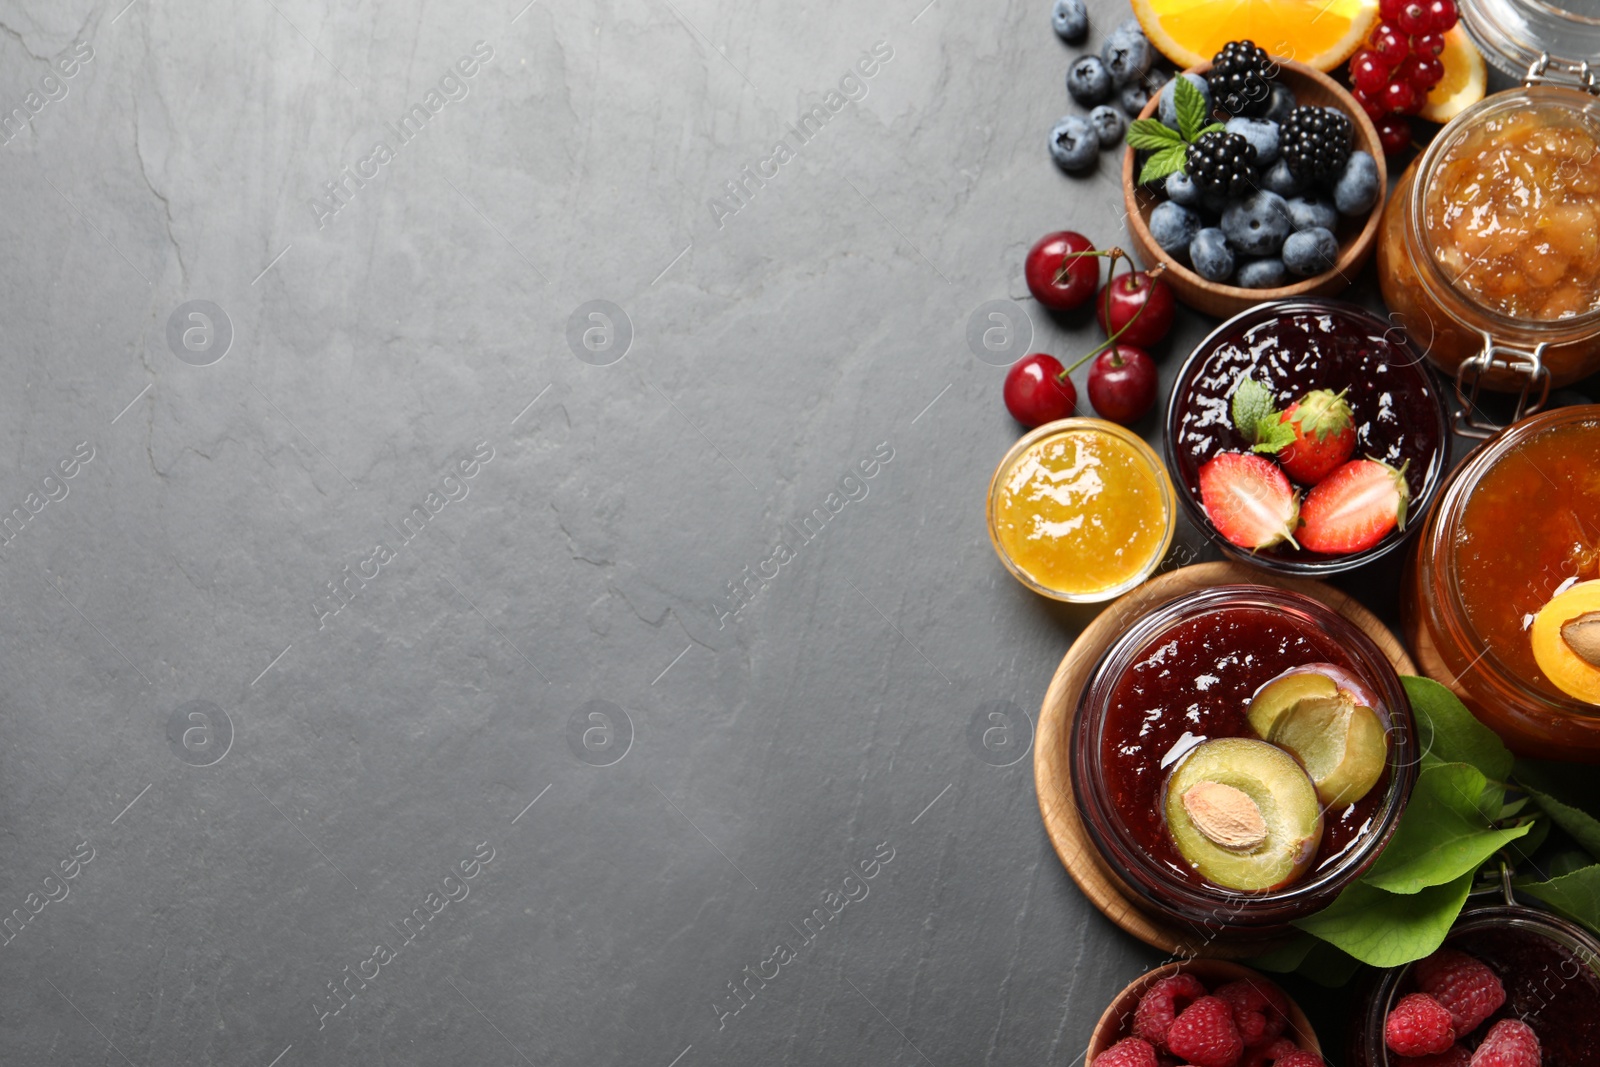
x,y
1454,1056
1203,1034
1509,1043
1161,1004
1464,985
1129,1052
1301,1058
1418,1026
1258,1010
1265,1055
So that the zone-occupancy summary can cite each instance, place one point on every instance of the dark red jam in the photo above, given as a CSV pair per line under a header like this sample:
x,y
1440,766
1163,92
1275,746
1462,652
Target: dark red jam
x,y
1395,405
1193,683
1547,986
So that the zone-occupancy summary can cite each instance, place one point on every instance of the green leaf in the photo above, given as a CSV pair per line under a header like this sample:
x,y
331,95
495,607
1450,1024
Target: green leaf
x,y
1328,966
1562,791
1448,733
1215,127
1191,107
1523,850
1252,406
1444,832
1566,861
1579,825
1149,135
1287,956
1575,895
1388,929
1165,162
1273,437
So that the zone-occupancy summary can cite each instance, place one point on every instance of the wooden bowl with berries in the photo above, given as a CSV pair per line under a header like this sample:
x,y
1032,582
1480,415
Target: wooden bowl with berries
x,y
1153,1014
1253,227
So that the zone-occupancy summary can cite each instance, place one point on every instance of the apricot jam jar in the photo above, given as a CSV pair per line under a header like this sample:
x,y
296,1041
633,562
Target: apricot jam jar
x,y
1081,510
1489,252
1494,595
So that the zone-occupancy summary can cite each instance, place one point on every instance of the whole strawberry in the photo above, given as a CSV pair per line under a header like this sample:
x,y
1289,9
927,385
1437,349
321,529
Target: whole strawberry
x,y
1324,436
1509,1043
1129,1052
1465,985
1258,1010
1418,1026
1203,1034
1161,1003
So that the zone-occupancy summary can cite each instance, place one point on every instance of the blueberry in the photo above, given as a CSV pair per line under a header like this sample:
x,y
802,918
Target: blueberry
x,y
1156,78
1088,81
1181,189
1262,135
1281,180
1073,144
1281,104
1133,98
1355,189
1108,125
1258,224
1167,112
1262,274
1126,53
1173,226
1071,20
1310,213
1215,203
1311,251
1211,256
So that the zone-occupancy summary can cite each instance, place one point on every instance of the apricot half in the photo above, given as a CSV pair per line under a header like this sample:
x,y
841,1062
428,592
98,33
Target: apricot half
x,y
1243,813
1566,641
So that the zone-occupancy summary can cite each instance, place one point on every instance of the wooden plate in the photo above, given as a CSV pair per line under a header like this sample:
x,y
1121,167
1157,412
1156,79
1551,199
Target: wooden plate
x,y
1052,768
1356,237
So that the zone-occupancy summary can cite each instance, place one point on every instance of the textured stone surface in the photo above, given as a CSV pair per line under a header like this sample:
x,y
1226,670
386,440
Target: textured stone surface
x,y
248,848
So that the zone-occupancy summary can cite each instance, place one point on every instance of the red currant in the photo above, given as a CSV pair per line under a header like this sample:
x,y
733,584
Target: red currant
x,y
1423,72
1401,96
1389,43
1372,104
1413,18
1389,10
1429,44
1394,133
1442,15
1368,71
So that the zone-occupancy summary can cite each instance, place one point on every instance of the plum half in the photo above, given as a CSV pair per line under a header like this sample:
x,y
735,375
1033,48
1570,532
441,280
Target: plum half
x,y
1325,716
1244,814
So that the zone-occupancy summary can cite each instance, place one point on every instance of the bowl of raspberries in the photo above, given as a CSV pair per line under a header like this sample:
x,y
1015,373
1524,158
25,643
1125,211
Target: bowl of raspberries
x,y
1253,178
1205,1013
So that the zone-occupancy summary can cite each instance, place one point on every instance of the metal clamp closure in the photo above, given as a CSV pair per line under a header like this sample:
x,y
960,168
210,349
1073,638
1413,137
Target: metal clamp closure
x,y
1550,71
1528,364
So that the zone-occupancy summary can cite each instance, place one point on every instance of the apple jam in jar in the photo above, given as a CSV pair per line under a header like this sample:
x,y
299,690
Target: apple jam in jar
x,y
1489,253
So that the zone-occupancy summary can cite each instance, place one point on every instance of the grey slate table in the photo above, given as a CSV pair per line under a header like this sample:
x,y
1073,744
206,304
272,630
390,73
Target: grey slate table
x,y
376,686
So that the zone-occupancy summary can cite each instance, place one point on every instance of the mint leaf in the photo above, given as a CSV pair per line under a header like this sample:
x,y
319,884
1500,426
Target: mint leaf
x,y
1576,895
1148,135
1448,733
1165,162
1444,832
1252,407
1388,929
1191,107
1272,436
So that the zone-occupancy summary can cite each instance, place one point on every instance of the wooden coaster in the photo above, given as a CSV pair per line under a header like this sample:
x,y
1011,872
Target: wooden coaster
x,y
1052,768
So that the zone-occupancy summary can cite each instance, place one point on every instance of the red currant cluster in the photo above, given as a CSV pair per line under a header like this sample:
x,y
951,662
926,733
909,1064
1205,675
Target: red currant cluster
x,y
1392,74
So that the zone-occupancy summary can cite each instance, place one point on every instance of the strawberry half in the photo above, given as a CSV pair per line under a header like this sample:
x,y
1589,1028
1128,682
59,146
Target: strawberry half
x,y
1354,508
1324,436
1248,499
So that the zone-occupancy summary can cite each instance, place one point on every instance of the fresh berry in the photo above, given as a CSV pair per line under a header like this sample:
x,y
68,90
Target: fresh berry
x,y
1173,226
1203,1034
1268,1054
1133,98
1442,15
1126,53
1309,212
1038,391
1240,76
1418,1025
1074,145
1281,104
1355,185
1509,1043
1181,189
1369,72
1454,1056
1389,10
1222,163
1210,255
1402,97
1268,272
1061,270
1263,135
1281,180
1413,18
1109,125
1394,133
1389,43
1423,72
1138,304
1371,103
1465,985
1088,81
1258,224
1122,384
1301,1058
1161,1004
1070,18
1167,109
1311,252
1249,500
1429,44
1258,1010
1324,436
1316,142
1129,1052
1351,510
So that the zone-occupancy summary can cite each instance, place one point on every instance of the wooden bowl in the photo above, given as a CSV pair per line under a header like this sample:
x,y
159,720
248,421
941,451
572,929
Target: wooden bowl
x,y
1117,1019
1356,236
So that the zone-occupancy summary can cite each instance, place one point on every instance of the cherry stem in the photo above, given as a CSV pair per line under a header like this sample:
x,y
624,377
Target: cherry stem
x,y
1154,273
1061,271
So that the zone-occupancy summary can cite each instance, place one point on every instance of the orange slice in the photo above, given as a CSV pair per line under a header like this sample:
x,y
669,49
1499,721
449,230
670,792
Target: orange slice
x,y
1318,33
1463,81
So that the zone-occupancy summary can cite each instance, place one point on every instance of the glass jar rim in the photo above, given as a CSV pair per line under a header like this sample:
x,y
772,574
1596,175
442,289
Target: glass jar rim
x,y
1513,34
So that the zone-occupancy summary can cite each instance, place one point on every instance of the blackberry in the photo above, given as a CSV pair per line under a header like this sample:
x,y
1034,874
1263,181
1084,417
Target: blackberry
x,y
1223,164
1239,79
1316,143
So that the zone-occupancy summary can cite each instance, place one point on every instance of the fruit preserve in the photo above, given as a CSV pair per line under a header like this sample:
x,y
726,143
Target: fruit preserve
x,y
1293,348
1501,598
1239,755
1081,510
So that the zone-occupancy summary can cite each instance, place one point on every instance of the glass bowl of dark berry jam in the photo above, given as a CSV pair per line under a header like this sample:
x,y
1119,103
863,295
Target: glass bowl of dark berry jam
x,y
1239,756
1545,977
1335,451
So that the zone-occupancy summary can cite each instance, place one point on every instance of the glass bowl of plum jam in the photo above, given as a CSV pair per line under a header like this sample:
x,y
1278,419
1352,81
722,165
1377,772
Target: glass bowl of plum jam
x,y
1239,756
1295,350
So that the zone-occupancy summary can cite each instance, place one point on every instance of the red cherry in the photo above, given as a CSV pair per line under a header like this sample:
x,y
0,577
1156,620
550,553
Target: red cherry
x,y
1442,15
1124,296
1037,390
1053,256
1429,44
1423,72
1122,384
1413,18
1372,105
1390,44
1401,96
1394,133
